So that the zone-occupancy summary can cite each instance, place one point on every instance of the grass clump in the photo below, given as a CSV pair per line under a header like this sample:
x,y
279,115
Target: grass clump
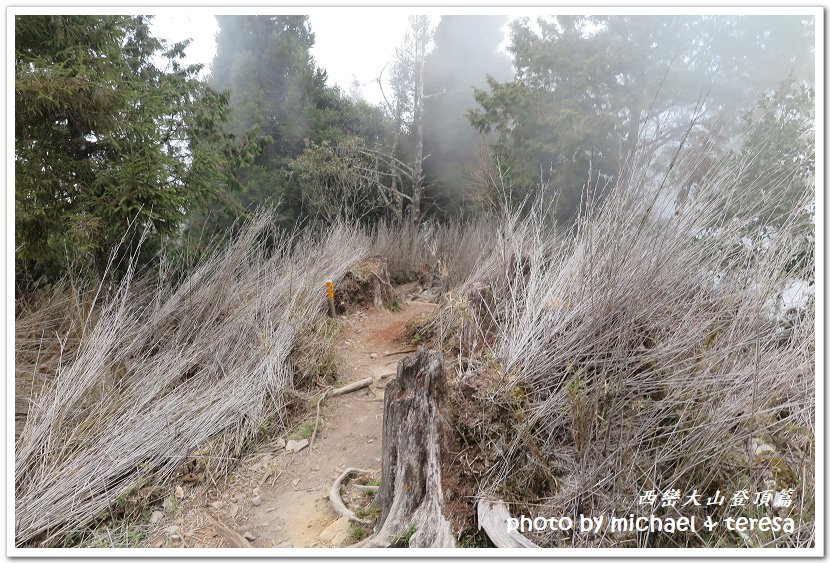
x,y
370,512
305,431
394,304
403,539
643,350
357,532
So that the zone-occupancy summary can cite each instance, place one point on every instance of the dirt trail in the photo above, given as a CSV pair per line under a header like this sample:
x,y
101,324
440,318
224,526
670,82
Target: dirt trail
x,y
280,498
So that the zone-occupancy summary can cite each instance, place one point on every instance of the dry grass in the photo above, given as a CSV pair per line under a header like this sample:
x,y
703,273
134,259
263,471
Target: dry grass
x,y
442,256
643,350
646,351
159,373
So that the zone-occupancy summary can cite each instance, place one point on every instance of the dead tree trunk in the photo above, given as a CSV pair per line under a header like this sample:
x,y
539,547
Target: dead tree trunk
x,y
478,325
414,430
418,167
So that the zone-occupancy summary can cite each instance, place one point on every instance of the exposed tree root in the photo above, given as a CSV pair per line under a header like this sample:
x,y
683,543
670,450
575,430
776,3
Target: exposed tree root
x,y
337,501
492,518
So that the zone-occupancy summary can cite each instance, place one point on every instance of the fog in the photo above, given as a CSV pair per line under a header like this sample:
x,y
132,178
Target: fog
x,y
552,99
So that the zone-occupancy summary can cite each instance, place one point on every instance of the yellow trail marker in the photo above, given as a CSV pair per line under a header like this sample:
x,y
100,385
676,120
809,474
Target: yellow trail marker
x,y
330,296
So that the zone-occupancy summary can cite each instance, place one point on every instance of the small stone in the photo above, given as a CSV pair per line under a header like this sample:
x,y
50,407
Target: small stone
x,y
279,444
370,440
256,491
373,356
256,501
249,536
316,468
175,537
173,532
179,492
296,445
156,516
295,482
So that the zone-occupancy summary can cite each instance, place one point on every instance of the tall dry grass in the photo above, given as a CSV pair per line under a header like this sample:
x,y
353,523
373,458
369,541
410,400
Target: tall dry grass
x,y
647,351
159,373
439,253
642,350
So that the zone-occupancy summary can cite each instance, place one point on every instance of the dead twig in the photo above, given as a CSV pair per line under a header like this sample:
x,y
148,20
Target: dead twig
x,y
396,352
231,536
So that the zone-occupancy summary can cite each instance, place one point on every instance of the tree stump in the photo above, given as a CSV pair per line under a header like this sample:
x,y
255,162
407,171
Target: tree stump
x,y
414,434
366,284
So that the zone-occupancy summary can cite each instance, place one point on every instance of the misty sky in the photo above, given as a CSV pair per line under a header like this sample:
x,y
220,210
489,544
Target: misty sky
x,y
357,41
346,43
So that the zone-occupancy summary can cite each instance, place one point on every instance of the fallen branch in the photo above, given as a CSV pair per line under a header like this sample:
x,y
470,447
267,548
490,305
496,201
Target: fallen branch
x,y
337,502
395,353
492,518
357,385
231,536
419,302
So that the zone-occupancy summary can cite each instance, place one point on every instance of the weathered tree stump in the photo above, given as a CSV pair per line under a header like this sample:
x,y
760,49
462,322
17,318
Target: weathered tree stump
x,y
366,284
414,433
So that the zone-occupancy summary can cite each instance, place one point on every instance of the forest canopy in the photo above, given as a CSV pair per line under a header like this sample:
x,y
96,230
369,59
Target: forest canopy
x,y
113,147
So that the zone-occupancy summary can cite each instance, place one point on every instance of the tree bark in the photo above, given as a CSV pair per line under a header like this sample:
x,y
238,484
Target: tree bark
x,y
414,431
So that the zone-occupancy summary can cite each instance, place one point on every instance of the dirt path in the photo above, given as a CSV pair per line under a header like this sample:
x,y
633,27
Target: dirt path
x,y
280,498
